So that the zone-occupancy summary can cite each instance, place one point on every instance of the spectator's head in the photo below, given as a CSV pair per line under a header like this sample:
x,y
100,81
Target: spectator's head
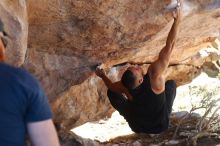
x,y
2,51
132,77
2,45
1,26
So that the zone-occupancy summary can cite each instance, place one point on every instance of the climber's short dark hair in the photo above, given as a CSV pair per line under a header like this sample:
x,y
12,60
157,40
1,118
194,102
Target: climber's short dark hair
x,y
128,79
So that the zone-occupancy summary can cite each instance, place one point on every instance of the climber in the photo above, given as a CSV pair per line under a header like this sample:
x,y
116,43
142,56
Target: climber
x,y
145,101
24,108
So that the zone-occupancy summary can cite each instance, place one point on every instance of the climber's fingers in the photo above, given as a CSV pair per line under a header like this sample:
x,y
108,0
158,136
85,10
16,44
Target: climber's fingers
x,y
179,3
177,13
100,72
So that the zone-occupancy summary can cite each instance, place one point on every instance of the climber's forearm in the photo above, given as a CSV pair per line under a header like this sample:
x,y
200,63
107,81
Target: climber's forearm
x,y
107,82
171,38
115,87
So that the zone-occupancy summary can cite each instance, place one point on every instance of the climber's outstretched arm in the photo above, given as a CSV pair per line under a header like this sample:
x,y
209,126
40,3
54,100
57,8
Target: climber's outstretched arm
x,y
157,69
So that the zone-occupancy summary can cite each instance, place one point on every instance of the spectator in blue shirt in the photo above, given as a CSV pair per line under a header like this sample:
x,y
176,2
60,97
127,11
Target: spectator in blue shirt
x,y
24,108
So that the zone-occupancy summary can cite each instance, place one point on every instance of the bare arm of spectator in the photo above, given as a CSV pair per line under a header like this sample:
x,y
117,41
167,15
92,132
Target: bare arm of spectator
x,y
43,133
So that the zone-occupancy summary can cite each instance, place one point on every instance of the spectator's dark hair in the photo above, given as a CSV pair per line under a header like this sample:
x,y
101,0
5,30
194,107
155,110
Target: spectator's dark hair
x,y
1,26
128,79
2,30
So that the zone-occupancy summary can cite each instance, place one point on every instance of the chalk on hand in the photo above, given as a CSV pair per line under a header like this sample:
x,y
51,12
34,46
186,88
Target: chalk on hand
x,y
173,5
94,67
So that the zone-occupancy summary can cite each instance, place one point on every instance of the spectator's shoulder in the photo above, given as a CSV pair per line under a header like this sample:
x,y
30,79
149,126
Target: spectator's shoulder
x,y
27,79
20,76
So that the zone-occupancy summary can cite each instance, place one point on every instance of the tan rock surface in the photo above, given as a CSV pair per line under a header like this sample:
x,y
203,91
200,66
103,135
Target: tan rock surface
x,y
13,15
68,38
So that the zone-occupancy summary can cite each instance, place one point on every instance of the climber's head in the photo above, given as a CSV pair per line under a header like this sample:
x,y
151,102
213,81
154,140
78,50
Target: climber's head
x,y
132,77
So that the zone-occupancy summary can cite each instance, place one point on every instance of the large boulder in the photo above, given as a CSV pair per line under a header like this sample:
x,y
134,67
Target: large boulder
x,y
68,38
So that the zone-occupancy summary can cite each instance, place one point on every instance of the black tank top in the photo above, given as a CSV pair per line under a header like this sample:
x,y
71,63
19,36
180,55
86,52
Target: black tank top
x,y
148,110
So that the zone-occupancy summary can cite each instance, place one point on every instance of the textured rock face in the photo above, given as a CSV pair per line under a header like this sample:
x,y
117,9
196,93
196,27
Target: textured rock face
x,y
88,101
13,15
68,37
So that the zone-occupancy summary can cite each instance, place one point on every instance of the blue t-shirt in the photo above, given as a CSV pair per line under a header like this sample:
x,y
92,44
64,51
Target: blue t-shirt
x,y
21,101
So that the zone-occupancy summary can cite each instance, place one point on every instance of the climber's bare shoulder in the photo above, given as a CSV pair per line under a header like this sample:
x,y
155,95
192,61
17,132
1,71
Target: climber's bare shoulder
x,y
118,87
